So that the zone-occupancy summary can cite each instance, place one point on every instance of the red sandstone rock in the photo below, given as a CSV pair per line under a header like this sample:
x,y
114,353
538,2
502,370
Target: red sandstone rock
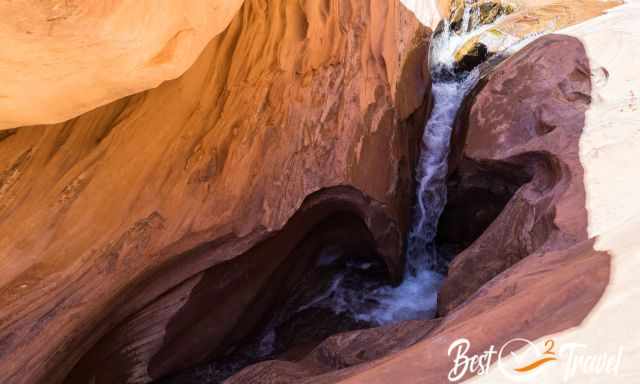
x,y
339,352
529,112
563,282
117,226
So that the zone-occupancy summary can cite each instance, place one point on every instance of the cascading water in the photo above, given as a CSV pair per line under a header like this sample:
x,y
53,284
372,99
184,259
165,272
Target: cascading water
x,y
370,301
431,193
416,296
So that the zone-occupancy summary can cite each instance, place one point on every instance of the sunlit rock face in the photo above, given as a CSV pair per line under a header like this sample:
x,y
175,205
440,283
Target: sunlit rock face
x,y
62,58
116,224
428,12
501,24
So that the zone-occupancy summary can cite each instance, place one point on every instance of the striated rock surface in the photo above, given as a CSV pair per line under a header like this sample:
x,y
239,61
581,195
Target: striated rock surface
x,y
62,58
578,287
127,231
505,139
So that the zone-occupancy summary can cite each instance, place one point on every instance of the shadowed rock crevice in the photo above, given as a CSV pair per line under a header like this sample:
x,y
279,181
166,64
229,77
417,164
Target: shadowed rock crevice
x,y
272,280
506,220
476,194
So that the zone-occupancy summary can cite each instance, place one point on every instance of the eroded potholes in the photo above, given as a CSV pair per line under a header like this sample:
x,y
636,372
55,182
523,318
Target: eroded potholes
x,y
343,268
476,194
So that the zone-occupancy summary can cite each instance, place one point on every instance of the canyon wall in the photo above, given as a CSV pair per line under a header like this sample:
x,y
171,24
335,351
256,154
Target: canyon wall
x,y
487,297
126,230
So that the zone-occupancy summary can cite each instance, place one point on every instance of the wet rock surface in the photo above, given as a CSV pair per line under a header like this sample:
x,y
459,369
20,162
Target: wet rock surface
x,y
502,23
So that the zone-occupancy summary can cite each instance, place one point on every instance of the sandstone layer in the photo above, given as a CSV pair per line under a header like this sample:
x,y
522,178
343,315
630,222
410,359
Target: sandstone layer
x,y
130,229
62,58
513,138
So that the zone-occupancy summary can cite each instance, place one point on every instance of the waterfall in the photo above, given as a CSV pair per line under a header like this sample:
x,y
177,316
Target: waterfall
x,y
416,296
431,191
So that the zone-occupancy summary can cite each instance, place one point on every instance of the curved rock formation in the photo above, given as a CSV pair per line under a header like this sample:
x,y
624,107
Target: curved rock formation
x,y
554,90
62,58
539,135
117,225
338,353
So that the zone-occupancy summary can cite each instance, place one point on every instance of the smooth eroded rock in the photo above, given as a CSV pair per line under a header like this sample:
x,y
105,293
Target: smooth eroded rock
x,y
62,58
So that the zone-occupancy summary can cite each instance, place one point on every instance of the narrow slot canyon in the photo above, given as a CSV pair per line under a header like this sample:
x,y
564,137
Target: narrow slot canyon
x,y
322,291
318,284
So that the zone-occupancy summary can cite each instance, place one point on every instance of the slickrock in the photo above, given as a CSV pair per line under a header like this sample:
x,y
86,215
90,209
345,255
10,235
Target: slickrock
x,y
578,287
160,229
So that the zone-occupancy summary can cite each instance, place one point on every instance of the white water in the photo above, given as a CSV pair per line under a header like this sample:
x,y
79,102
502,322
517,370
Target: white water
x,y
416,296
431,192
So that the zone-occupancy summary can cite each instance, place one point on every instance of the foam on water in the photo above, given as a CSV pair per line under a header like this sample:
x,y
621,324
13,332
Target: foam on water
x,y
354,290
431,191
416,296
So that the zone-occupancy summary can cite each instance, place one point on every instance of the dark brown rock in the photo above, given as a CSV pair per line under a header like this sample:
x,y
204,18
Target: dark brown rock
x,y
339,352
528,111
